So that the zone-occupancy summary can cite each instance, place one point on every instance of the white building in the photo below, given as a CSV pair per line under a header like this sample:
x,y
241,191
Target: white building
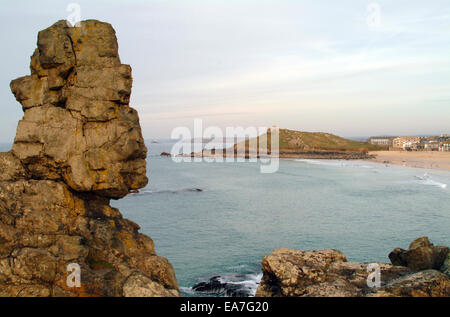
x,y
405,142
381,140
444,147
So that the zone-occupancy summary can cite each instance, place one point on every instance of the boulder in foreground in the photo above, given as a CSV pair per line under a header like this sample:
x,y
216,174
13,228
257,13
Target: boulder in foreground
x,y
421,255
326,273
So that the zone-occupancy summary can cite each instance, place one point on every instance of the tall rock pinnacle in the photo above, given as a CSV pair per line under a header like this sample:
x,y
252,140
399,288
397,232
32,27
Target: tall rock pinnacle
x,y
78,145
77,124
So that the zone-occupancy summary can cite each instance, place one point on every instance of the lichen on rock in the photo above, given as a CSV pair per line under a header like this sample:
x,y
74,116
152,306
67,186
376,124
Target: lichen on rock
x,y
77,124
78,145
326,273
421,255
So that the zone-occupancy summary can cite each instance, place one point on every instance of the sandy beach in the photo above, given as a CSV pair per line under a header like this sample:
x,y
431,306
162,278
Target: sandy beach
x,y
434,160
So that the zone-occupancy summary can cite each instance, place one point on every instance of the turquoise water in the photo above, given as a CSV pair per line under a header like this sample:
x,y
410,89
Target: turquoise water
x,y
363,209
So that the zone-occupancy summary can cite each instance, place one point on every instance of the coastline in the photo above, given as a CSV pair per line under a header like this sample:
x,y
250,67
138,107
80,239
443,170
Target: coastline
x,y
79,218
319,155
428,160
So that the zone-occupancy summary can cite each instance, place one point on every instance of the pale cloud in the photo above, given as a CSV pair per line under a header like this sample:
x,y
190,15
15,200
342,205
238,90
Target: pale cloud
x,y
313,65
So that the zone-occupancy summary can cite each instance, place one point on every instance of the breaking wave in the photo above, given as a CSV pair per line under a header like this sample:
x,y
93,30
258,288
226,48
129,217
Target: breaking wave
x,y
335,163
229,285
426,180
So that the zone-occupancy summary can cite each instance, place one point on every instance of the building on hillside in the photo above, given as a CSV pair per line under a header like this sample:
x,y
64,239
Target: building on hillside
x,y
406,143
381,140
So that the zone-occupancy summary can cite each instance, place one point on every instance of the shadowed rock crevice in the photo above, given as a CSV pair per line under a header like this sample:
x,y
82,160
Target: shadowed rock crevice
x,y
78,146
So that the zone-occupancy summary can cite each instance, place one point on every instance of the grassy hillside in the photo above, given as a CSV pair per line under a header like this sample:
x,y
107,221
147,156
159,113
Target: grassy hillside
x,y
297,141
319,141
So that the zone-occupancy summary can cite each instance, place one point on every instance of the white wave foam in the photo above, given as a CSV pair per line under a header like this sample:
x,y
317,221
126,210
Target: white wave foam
x,y
323,162
434,183
187,290
251,281
426,180
335,163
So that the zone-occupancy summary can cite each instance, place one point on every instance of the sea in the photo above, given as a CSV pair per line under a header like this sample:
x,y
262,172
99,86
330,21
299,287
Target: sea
x,y
217,220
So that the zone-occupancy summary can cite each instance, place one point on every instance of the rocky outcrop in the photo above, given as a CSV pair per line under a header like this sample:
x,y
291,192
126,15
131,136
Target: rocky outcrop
x,y
77,126
421,255
327,155
327,273
445,268
78,145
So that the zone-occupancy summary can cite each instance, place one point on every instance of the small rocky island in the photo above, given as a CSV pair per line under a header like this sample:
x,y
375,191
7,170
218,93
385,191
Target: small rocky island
x,y
78,146
297,145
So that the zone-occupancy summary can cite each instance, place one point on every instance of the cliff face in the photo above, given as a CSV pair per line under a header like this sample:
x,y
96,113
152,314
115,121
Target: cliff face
x,y
78,145
327,273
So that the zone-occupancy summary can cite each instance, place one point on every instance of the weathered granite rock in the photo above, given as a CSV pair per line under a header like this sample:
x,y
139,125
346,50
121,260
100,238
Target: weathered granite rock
x,y
421,255
78,145
327,273
428,283
445,267
77,125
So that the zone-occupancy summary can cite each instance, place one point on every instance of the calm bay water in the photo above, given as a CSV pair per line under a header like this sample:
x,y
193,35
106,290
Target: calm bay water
x,y
363,209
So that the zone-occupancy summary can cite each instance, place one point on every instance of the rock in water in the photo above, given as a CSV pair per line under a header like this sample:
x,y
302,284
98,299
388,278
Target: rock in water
x,y
78,145
421,255
229,285
445,268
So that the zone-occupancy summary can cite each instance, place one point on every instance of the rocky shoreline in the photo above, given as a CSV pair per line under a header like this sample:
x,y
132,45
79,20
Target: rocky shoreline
x,y
317,155
80,144
327,155
420,271
423,270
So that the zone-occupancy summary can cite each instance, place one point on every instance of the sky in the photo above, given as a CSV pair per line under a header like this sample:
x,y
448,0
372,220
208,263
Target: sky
x,y
349,67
